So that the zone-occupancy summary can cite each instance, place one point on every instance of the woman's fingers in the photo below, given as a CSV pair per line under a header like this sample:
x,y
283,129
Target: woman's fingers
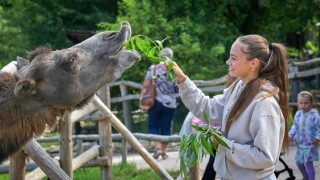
x,y
180,77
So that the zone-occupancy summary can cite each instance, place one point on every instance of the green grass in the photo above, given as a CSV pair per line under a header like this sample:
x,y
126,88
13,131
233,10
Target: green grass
x,y
119,172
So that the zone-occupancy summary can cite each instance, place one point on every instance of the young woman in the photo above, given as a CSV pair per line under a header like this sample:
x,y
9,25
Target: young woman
x,y
253,110
306,132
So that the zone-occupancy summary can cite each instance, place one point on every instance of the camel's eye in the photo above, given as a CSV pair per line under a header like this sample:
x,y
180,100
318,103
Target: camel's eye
x,y
70,61
71,65
110,35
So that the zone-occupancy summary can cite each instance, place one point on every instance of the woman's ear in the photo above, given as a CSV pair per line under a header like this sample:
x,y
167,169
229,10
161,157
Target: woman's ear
x,y
255,63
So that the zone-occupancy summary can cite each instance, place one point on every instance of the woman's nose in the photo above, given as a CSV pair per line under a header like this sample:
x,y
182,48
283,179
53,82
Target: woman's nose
x,y
228,62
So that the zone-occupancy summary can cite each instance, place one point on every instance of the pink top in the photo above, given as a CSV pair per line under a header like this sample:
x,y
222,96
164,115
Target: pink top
x,y
199,122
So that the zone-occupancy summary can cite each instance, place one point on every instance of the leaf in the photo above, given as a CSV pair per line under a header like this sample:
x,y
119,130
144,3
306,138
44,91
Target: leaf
x,y
221,141
192,159
183,167
206,118
159,44
206,145
198,128
151,52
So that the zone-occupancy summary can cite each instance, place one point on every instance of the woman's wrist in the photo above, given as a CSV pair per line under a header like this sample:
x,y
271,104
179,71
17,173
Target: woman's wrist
x,y
181,79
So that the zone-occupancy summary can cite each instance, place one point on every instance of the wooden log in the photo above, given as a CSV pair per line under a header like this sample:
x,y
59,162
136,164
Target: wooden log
x,y
306,73
126,108
125,98
126,83
118,136
44,161
66,151
306,63
138,147
83,158
4,169
105,134
127,120
78,114
17,166
37,173
159,138
30,166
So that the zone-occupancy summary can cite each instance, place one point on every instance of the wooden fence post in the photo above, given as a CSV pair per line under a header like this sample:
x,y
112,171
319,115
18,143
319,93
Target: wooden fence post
x,y
127,120
138,147
17,166
66,150
294,82
105,133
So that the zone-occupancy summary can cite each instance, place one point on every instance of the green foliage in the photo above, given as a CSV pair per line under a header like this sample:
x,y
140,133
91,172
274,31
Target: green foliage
x,y
195,145
201,32
191,37
25,25
150,49
293,52
311,46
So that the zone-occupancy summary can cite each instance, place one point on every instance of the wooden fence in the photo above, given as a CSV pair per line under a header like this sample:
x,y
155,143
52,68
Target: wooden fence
x,y
102,155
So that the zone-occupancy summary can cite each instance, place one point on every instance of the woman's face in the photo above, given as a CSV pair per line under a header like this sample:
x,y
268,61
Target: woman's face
x,y
304,103
239,66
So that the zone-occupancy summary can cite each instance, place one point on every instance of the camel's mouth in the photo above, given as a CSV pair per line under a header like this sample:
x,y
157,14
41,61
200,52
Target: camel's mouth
x,y
125,34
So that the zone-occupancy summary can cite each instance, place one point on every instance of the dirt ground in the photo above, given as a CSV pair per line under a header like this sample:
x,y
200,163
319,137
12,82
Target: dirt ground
x,y
172,163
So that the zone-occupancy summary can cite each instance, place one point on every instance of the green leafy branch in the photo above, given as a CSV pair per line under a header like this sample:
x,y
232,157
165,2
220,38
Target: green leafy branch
x,y
195,145
150,48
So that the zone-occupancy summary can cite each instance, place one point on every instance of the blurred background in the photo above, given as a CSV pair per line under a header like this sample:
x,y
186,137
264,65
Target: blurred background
x,y
199,31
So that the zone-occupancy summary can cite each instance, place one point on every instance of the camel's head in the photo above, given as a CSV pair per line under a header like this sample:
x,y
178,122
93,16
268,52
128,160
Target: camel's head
x,y
69,77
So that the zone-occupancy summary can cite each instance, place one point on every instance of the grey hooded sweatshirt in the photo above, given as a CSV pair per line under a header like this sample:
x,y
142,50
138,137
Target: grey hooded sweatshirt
x,y
255,138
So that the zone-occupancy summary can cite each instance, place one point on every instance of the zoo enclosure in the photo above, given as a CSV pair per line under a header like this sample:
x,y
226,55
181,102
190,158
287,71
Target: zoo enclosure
x,y
94,156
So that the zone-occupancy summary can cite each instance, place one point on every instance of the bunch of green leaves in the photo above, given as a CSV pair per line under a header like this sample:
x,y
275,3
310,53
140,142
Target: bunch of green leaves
x,y
150,48
196,145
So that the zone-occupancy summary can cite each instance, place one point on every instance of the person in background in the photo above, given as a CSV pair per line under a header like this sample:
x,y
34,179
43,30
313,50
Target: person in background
x,y
161,114
209,172
305,130
253,110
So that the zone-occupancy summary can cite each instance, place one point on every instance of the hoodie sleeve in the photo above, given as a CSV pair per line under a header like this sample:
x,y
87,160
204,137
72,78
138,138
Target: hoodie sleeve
x,y
197,102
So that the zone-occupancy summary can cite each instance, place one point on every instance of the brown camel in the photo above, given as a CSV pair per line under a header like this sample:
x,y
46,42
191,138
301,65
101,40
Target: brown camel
x,y
57,81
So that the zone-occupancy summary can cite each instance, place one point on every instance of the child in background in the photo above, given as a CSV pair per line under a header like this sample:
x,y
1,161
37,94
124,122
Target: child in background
x,y
306,132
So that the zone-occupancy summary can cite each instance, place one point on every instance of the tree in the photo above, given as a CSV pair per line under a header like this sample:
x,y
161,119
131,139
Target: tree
x,y
201,32
25,25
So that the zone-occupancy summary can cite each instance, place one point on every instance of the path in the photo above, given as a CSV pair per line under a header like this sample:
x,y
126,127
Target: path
x,y
172,163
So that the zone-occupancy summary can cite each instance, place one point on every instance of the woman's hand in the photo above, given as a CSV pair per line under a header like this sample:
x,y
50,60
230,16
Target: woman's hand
x,y
180,77
215,142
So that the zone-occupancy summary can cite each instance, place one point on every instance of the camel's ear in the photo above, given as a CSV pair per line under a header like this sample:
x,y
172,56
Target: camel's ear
x,y
25,87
